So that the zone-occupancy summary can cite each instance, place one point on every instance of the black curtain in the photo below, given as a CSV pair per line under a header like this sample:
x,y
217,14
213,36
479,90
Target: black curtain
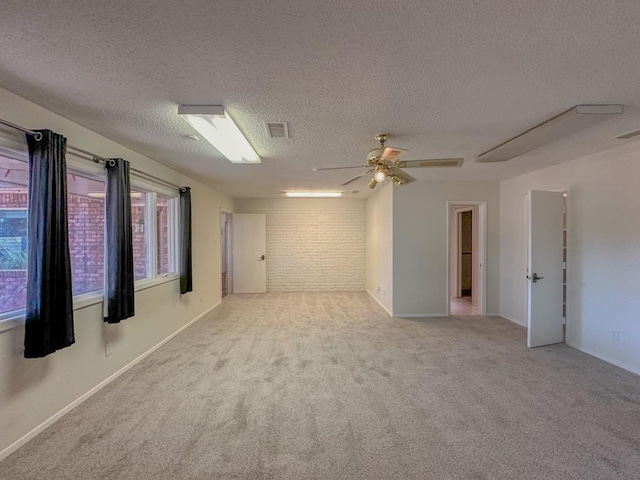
x,y
186,281
49,309
119,238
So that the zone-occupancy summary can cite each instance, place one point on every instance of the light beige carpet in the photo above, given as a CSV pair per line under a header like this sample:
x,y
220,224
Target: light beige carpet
x,y
325,385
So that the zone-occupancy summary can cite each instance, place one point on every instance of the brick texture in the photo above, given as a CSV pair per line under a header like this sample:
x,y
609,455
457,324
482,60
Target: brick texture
x,y
312,244
86,242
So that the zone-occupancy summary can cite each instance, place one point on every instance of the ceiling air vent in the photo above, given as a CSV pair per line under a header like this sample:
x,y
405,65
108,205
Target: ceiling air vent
x,y
278,129
628,135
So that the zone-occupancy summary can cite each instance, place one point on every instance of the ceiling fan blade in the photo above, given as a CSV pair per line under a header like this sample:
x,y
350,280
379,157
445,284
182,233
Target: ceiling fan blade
x,y
338,168
392,154
356,178
399,177
432,162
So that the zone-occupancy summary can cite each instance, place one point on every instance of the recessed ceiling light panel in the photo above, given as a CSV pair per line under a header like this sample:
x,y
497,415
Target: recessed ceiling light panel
x,y
560,126
624,136
314,194
215,125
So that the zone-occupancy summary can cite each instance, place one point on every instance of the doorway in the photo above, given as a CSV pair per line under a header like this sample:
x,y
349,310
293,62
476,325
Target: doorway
x,y
225,252
466,254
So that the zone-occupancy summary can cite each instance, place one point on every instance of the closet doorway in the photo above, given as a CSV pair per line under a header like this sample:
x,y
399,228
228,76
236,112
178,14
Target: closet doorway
x,y
467,243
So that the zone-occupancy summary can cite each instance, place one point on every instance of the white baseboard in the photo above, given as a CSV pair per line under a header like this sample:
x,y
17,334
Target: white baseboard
x,y
418,315
25,438
380,303
511,320
588,351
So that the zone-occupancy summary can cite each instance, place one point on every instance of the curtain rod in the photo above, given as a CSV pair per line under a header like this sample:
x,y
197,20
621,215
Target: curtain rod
x,y
94,158
36,135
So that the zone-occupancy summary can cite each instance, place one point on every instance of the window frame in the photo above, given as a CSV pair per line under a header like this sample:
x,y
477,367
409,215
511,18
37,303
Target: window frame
x,y
95,171
10,147
14,209
172,236
151,190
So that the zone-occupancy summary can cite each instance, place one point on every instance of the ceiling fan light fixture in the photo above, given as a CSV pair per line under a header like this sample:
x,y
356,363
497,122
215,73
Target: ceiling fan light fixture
x,y
379,176
372,183
398,180
215,125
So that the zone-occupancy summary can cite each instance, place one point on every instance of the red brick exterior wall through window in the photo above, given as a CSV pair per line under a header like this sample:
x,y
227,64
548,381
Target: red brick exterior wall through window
x,y
86,245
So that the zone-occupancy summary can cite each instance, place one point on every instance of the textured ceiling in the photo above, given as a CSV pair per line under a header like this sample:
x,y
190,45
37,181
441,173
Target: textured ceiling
x,y
445,78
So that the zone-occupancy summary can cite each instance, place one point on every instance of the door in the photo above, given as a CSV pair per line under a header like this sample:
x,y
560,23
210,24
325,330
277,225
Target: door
x,y
544,273
249,250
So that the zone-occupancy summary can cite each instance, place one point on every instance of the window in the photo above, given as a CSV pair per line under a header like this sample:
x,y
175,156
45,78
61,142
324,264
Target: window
x,y
154,212
153,218
141,268
163,235
13,234
85,206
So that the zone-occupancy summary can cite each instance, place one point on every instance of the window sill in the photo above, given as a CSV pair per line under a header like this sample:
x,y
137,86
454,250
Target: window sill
x,y
152,282
86,300
14,319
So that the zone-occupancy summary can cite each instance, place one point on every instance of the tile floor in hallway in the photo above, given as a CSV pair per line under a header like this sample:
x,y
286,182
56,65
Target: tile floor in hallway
x,y
463,306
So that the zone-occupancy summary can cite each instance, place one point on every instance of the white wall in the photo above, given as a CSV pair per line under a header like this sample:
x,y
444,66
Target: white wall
x,y
33,390
379,213
312,243
420,263
603,251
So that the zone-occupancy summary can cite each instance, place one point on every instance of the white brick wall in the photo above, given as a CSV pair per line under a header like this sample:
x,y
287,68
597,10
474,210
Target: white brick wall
x,y
312,244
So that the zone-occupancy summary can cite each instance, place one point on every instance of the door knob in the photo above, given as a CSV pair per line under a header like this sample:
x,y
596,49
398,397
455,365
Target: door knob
x,y
262,257
534,277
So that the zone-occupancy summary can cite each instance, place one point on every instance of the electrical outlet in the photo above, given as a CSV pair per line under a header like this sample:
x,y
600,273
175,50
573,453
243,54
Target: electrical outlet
x,y
107,349
378,291
201,299
615,335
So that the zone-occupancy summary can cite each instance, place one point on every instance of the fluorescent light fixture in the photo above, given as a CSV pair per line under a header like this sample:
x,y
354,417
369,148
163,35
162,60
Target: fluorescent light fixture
x,y
313,194
560,126
215,125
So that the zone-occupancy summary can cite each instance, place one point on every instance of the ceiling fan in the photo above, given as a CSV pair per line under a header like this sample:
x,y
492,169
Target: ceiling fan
x,y
385,162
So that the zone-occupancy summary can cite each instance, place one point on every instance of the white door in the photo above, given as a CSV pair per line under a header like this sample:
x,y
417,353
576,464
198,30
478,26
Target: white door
x,y
249,250
544,306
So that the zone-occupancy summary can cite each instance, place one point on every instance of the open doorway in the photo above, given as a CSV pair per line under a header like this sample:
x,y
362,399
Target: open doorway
x,y
225,245
466,245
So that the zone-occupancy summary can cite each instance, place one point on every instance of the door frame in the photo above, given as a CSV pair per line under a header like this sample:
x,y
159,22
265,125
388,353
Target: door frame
x,y
228,244
481,253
